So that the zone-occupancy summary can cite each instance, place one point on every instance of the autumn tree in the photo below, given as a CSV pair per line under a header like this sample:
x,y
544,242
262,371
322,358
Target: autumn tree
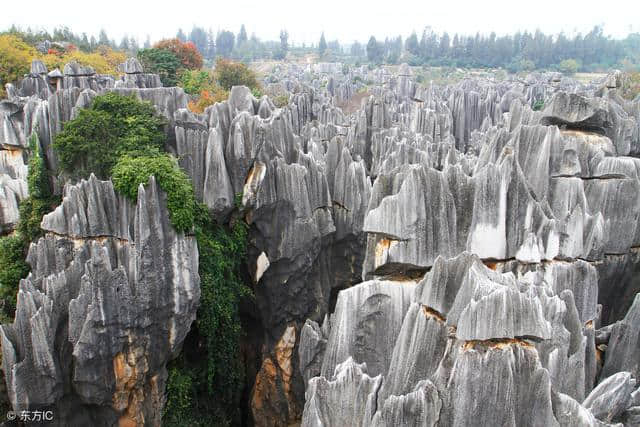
x,y
186,52
15,60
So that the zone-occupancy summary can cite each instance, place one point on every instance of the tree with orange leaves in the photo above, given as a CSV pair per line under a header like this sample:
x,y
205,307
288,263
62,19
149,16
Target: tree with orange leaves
x,y
186,52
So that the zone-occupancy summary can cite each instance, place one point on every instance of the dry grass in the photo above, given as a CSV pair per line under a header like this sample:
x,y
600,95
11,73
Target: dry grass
x,y
353,105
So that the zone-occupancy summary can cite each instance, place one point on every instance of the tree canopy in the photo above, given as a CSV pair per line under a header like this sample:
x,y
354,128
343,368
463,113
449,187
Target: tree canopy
x,y
112,126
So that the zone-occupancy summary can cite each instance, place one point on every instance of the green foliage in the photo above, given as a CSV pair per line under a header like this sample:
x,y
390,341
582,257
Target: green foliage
x,y
38,178
524,65
32,210
569,66
281,100
229,74
221,253
129,172
86,144
15,60
195,81
631,85
179,411
12,269
114,125
14,247
256,92
186,52
538,105
162,62
211,380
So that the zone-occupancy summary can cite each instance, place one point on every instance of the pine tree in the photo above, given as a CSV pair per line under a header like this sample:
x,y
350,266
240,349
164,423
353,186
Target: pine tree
x,y
181,35
242,35
103,39
322,46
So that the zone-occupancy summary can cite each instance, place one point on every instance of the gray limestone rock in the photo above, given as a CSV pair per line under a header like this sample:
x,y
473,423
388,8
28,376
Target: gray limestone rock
x,y
417,353
111,296
365,325
570,413
38,67
313,342
349,395
577,112
611,397
419,408
131,66
422,190
517,394
623,350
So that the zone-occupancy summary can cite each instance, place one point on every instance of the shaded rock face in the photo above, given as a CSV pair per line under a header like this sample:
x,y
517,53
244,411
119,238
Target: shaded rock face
x,y
111,296
419,255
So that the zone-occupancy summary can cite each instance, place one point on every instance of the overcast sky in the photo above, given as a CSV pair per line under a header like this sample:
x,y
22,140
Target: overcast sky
x,y
339,19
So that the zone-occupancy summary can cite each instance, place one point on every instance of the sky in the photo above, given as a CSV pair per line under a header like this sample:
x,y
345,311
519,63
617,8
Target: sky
x,y
344,20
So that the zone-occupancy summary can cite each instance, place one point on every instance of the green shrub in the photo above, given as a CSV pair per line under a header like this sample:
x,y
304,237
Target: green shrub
x,y
631,85
569,66
38,177
256,92
281,100
32,210
229,74
221,253
12,269
130,172
162,62
538,105
195,81
114,125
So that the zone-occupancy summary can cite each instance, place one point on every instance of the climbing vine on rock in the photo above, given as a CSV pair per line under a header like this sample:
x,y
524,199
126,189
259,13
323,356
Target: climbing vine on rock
x,y
213,366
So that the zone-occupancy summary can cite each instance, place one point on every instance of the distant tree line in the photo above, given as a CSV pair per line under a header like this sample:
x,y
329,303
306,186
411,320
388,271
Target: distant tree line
x,y
515,52
83,41
521,51
240,46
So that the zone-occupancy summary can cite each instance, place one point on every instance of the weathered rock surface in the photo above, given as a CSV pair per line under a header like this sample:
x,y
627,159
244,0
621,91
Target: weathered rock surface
x,y
111,296
468,258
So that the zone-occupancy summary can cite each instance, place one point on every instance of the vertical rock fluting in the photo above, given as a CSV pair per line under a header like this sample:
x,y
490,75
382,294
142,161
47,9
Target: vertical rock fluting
x,y
111,296
488,249
520,244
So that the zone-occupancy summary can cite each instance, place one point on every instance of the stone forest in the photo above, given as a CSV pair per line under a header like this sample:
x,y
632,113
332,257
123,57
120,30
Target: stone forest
x,y
348,247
